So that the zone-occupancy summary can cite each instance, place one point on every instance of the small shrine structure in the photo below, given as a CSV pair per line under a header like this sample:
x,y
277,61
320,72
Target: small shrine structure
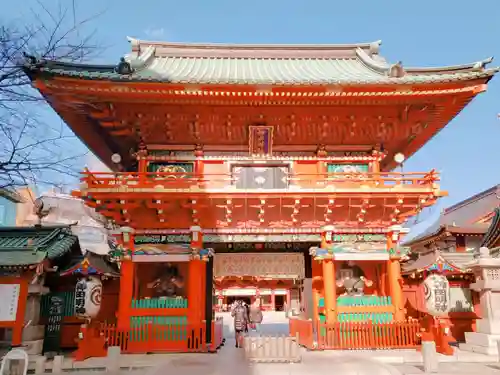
x,y
447,248
27,255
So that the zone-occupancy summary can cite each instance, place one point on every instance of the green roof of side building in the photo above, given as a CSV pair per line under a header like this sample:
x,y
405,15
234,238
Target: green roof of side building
x,y
181,63
25,246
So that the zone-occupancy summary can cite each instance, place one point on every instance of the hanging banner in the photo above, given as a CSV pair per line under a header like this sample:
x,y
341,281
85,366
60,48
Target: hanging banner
x,y
437,295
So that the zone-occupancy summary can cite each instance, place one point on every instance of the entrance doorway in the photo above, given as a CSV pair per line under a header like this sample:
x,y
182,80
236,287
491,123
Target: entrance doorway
x,y
232,299
279,303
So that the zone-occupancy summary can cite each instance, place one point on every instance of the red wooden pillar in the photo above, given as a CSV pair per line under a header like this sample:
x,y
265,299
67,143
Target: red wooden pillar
x,y
126,282
17,329
329,286
273,300
317,287
288,299
196,276
394,275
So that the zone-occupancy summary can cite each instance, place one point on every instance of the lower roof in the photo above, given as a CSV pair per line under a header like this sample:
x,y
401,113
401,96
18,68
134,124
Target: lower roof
x,y
91,264
438,261
25,246
439,231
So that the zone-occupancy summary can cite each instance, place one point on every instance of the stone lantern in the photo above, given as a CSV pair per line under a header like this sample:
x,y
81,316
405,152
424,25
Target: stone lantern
x,y
487,273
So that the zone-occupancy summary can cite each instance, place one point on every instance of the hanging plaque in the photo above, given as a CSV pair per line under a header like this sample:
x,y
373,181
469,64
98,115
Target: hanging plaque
x,y
9,295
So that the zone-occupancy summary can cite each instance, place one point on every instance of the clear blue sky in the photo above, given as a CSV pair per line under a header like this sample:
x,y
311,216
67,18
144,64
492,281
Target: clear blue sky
x,y
419,33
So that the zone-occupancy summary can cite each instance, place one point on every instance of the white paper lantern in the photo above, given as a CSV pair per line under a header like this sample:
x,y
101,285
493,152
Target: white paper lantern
x,y
437,295
88,297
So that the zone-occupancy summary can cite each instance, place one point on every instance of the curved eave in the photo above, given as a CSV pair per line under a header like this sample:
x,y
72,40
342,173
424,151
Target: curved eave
x,y
443,231
428,266
363,68
111,76
492,236
426,238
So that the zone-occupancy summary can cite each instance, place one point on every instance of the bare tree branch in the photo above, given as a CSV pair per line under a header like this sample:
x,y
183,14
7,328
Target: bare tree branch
x,y
31,149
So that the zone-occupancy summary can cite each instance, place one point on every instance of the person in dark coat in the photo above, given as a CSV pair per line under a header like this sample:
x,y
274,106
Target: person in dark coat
x,y
240,315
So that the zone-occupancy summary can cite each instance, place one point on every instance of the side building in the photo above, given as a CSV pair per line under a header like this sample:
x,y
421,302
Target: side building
x,y
447,247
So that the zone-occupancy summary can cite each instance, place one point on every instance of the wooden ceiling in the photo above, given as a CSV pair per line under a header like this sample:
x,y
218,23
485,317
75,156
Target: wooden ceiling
x,y
300,125
401,123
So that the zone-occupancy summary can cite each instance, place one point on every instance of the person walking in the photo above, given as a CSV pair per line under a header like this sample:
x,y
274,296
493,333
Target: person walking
x,y
247,311
239,313
256,316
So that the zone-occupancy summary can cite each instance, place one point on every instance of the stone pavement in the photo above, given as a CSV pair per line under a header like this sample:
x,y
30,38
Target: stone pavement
x,y
231,361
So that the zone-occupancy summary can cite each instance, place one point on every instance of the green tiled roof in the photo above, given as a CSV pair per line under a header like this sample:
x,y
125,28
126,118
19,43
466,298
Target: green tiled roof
x,y
30,245
263,65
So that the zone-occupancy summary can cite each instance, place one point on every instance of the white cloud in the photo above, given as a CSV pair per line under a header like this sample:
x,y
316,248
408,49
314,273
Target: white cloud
x,y
155,32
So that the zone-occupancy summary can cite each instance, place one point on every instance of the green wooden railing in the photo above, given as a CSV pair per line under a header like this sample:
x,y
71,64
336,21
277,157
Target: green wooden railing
x,y
364,301
167,328
139,321
360,301
68,304
159,303
363,317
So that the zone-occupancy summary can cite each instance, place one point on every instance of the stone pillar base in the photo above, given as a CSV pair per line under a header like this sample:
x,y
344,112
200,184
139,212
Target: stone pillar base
x,y
34,347
32,333
489,326
480,343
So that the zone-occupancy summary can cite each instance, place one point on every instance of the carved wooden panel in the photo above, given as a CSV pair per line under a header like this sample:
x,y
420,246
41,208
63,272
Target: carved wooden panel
x,y
275,265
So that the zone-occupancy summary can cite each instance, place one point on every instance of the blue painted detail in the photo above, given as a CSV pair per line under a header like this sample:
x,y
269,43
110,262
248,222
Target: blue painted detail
x,y
87,271
440,267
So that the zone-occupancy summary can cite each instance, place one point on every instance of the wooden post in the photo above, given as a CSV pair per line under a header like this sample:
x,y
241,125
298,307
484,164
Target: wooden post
x,y
329,286
209,307
195,283
329,290
142,161
193,292
273,300
317,287
126,283
383,279
126,293
394,275
199,167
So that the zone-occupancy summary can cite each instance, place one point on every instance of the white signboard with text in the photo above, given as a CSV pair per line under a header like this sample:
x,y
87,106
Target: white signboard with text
x,y
9,297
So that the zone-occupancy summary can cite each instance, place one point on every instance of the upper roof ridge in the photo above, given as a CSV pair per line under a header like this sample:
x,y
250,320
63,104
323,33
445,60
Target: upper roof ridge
x,y
374,46
228,50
